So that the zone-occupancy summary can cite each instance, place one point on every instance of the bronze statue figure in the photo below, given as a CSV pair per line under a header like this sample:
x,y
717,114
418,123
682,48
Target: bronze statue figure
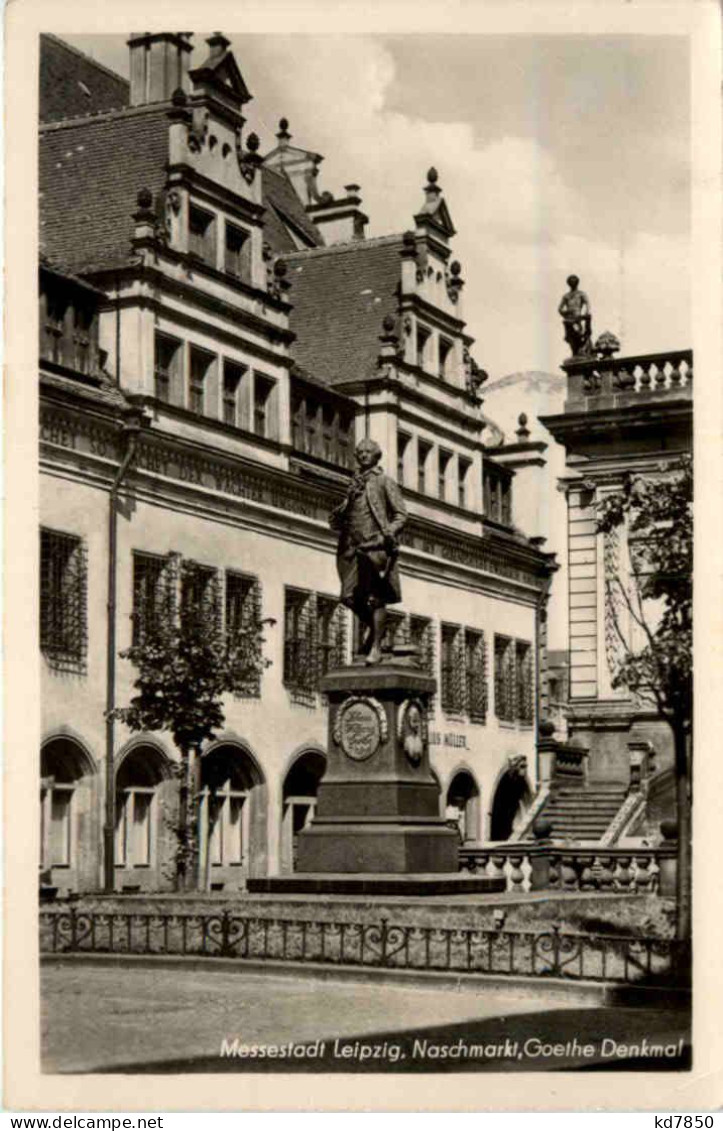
x,y
369,520
577,318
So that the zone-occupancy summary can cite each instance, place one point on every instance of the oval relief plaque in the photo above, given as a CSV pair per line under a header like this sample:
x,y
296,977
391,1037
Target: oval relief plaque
x,y
360,727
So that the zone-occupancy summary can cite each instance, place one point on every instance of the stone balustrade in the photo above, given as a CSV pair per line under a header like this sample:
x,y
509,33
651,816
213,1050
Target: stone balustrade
x,y
646,375
559,868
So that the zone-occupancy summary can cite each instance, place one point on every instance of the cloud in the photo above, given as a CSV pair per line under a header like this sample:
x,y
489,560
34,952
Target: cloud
x,y
522,227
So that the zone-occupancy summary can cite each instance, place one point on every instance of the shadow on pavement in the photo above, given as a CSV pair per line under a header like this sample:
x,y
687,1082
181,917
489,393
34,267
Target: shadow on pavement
x,y
591,1039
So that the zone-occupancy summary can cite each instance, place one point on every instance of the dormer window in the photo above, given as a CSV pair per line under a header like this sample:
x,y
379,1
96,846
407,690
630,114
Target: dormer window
x,y
202,234
238,252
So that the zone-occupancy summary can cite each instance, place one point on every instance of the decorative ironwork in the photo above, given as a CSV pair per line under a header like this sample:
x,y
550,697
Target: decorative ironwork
x,y
475,675
452,669
299,625
63,600
524,676
505,682
551,953
243,609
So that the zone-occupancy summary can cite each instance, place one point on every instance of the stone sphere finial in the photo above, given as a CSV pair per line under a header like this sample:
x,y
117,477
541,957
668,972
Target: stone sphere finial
x,y
280,268
252,143
283,125
522,419
179,97
409,239
432,176
144,199
388,324
455,268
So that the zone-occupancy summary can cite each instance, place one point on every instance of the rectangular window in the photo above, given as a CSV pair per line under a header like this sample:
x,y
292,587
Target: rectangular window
x,y
199,593
238,247
330,634
263,389
423,337
402,448
152,594
226,832
497,495
63,600
133,827
346,425
232,377
202,234
475,674
452,676
506,501
423,452
299,667
243,623
525,681
166,367
421,637
462,481
505,679
200,365
445,356
443,466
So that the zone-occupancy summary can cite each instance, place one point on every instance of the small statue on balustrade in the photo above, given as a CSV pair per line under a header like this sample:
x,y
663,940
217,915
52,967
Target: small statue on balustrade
x,y
369,520
576,315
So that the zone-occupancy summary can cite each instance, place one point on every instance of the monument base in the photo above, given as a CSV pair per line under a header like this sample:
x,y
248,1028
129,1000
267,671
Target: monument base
x,y
375,884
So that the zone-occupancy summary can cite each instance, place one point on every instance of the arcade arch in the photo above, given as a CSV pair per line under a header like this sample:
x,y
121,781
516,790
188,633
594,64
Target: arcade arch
x,y
462,805
69,829
299,802
231,818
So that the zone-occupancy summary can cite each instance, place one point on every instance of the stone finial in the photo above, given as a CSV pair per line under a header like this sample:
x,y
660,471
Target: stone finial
x,y
252,143
432,176
455,268
219,44
351,190
388,324
523,431
283,134
144,199
607,344
179,97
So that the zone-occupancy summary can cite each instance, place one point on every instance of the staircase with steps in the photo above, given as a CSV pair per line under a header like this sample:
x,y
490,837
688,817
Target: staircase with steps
x,y
582,812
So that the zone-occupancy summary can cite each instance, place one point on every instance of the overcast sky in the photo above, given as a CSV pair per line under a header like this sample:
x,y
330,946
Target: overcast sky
x,y
555,154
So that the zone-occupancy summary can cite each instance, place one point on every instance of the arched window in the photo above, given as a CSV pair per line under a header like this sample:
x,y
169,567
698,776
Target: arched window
x,y
230,816
137,780
512,798
462,806
63,766
299,802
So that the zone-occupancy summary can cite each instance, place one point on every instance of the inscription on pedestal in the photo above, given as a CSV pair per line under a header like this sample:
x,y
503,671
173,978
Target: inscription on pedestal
x,y
360,727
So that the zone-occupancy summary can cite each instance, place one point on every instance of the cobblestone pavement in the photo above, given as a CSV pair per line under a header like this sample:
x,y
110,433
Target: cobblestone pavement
x,y
105,1016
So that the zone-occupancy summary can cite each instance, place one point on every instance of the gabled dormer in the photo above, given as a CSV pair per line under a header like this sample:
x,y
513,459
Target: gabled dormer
x,y
219,80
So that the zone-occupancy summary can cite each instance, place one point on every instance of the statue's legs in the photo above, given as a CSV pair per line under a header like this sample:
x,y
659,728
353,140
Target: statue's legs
x,y
379,620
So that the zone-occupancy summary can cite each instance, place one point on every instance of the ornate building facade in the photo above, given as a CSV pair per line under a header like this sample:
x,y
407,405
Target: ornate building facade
x,y
622,415
215,337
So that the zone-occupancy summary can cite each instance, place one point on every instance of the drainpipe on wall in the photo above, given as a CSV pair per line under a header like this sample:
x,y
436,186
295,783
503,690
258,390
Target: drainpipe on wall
x,y
132,424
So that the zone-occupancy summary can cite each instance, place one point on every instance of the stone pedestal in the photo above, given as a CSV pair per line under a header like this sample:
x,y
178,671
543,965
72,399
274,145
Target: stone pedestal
x,y
377,808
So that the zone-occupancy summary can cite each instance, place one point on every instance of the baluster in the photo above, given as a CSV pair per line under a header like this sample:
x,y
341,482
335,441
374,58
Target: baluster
x,y
498,866
516,876
623,875
675,375
554,871
645,376
606,875
568,873
583,867
643,878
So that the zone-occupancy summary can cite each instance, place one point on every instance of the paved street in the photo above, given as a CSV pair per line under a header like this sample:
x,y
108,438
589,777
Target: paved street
x,y
133,1018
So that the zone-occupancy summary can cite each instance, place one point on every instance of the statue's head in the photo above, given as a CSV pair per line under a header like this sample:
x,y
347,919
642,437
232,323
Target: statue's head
x,y
368,453
573,281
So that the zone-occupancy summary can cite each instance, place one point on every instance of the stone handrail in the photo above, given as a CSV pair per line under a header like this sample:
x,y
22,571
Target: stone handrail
x,y
538,803
559,868
644,375
629,811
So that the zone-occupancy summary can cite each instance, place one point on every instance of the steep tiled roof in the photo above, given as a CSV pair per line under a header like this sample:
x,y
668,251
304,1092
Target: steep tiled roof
x,y
340,297
72,84
90,172
282,204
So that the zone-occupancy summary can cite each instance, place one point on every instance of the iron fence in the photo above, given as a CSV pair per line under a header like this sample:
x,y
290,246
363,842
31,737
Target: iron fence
x,y
547,953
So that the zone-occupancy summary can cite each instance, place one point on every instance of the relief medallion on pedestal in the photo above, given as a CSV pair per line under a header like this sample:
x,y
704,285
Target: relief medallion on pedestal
x,y
360,727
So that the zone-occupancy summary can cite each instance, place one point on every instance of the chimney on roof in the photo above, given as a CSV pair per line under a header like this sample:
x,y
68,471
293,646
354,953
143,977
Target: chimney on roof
x,y
159,65
339,221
